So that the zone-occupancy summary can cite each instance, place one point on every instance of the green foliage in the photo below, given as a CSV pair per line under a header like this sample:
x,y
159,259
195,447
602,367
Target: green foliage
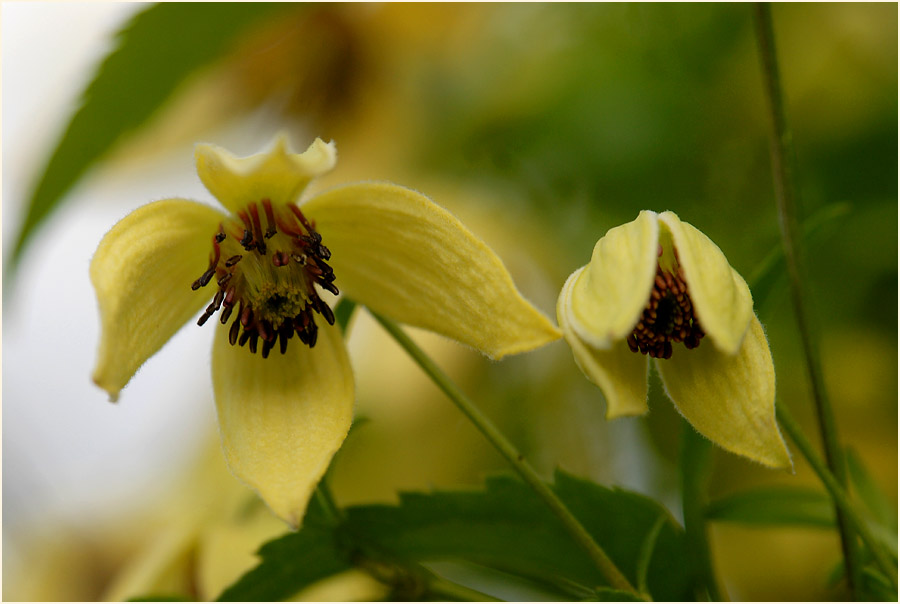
x,y
155,52
775,506
771,272
876,503
504,527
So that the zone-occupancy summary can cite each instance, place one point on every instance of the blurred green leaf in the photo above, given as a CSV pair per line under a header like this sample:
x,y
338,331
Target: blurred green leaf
x,y
606,594
771,269
643,565
343,312
775,506
868,491
154,53
504,527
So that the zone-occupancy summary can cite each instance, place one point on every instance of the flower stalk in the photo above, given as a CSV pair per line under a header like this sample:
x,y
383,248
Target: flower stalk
x,y
696,466
785,195
603,562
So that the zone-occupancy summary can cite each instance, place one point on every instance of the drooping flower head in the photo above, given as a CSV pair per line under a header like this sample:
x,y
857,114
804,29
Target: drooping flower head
x,y
283,385
659,288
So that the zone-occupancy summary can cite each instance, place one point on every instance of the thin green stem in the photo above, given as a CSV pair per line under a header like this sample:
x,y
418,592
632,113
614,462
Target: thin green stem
x,y
326,500
696,457
513,456
838,493
785,195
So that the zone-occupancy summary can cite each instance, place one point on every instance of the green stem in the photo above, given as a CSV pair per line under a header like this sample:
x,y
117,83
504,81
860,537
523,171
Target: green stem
x,y
326,500
696,455
838,493
513,456
782,169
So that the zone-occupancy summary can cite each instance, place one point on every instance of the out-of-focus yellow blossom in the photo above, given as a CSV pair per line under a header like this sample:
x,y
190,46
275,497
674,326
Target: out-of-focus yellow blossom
x,y
656,282
283,416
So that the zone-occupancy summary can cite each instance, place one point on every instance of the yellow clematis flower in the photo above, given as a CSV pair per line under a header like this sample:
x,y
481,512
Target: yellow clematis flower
x,y
658,282
283,415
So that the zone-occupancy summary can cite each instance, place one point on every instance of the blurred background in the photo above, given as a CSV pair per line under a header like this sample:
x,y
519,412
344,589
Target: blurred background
x,y
540,126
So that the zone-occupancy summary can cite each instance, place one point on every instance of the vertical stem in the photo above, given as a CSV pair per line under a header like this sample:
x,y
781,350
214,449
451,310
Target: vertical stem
x,y
782,168
838,493
513,456
695,460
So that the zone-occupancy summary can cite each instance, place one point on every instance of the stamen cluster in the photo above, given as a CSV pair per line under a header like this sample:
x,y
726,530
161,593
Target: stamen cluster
x,y
667,318
273,291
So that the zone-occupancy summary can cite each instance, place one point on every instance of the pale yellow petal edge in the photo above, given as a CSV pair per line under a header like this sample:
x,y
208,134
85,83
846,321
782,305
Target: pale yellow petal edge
x,y
406,258
619,373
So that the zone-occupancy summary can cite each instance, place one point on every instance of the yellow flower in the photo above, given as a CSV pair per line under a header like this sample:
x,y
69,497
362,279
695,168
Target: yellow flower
x,y
658,287
283,414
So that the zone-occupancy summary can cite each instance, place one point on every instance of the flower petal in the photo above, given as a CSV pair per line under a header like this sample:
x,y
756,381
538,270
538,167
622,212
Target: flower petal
x,y
618,372
730,399
403,256
142,273
283,418
721,298
609,295
278,174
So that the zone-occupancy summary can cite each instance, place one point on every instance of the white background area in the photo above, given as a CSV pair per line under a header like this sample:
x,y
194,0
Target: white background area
x,y
69,455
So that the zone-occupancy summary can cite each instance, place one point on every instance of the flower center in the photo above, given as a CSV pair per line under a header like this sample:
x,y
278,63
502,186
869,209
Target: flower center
x,y
266,279
667,318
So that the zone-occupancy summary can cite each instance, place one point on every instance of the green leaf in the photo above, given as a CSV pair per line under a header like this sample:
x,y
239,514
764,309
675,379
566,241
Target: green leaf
x,y
343,312
620,521
775,506
293,562
503,527
772,268
607,594
876,503
155,52
508,528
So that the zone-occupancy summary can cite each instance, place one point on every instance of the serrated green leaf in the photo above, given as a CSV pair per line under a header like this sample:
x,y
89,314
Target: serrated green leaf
x,y
775,506
155,52
503,526
620,521
289,564
508,528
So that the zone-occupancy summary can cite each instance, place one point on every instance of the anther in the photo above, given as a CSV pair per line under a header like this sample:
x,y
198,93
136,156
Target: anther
x,y
204,279
246,316
234,259
667,318
226,312
233,332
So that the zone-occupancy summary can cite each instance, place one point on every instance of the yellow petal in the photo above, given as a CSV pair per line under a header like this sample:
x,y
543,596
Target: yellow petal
x,y
609,295
730,399
722,301
278,174
283,418
142,272
618,372
400,254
